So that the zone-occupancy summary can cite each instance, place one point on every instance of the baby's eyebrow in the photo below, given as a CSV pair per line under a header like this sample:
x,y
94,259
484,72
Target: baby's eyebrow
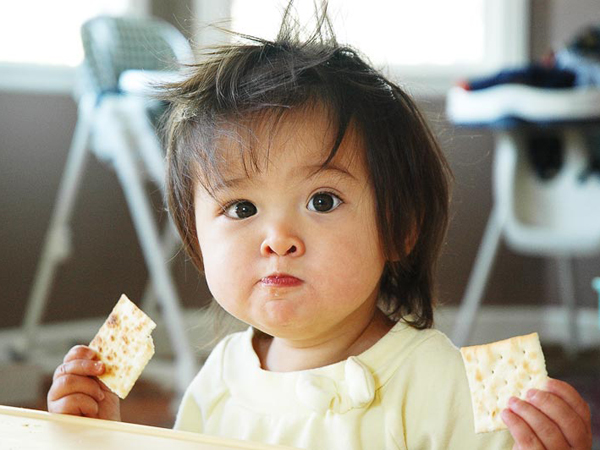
x,y
316,169
309,171
231,183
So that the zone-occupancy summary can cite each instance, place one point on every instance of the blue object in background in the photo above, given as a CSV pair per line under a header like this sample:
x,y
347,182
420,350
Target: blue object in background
x,y
596,285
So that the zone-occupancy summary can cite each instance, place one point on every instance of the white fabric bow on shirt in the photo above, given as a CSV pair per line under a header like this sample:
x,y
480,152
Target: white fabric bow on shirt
x,y
321,393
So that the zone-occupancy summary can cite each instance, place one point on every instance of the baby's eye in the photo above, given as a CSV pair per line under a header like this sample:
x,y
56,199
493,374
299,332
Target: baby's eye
x,y
324,202
240,210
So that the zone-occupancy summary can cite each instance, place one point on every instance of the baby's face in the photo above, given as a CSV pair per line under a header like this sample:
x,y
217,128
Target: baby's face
x,y
289,250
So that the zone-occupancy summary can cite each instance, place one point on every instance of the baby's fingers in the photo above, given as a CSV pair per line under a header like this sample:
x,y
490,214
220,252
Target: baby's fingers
x,y
83,367
532,428
570,395
70,384
79,352
575,429
524,436
75,405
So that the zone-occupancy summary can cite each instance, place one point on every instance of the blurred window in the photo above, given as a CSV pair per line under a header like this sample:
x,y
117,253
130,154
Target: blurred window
x,y
41,41
47,32
400,32
425,39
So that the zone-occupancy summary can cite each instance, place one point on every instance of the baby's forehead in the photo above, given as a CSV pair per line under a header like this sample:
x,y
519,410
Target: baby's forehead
x,y
305,138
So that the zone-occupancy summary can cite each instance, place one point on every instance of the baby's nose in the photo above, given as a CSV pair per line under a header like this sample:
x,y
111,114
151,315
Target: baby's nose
x,y
282,243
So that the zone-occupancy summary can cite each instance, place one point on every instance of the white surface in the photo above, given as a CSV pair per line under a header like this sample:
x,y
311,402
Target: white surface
x,y
25,429
525,102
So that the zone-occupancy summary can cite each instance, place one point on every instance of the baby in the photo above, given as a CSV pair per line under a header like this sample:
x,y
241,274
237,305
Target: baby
x,y
312,195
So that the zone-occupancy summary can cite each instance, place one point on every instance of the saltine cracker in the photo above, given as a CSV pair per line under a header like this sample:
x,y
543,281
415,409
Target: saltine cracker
x,y
124,345
501,370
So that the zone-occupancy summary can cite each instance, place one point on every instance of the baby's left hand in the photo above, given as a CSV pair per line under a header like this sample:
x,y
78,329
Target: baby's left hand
x,y
556,418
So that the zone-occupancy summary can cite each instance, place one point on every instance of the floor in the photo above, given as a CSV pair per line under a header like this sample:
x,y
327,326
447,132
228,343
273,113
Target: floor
x,y
149,404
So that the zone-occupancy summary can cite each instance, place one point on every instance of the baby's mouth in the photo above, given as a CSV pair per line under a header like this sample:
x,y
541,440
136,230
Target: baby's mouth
x,y
281,280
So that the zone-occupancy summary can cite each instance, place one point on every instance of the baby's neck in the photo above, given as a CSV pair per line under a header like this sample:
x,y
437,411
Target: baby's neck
x,y
283,355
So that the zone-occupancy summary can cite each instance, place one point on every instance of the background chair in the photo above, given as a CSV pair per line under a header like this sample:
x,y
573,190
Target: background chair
x,y
116,125
546,187
557,217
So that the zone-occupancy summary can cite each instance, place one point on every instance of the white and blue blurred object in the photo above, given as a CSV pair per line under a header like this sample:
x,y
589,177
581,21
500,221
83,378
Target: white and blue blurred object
x,y
596,286
546,174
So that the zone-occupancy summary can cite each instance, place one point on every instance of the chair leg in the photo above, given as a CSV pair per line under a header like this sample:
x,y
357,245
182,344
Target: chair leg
x,y
479,277
170,243
148,145
567,294
57,243
144,222
151,154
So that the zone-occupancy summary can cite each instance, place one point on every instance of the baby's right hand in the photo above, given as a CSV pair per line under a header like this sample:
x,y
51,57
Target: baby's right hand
x,y
75,389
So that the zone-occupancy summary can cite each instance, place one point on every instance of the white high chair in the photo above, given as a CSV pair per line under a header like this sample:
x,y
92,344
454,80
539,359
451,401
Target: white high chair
x,y
555,215
115,124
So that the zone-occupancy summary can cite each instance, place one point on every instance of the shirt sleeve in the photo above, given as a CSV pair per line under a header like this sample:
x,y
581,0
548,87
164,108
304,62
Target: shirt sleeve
x,y
433,390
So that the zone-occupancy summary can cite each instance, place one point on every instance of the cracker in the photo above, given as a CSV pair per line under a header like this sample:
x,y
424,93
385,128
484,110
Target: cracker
x,y
501,370
124,345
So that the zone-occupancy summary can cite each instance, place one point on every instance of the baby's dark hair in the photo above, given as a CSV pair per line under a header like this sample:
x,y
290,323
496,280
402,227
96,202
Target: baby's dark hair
x,y
261,78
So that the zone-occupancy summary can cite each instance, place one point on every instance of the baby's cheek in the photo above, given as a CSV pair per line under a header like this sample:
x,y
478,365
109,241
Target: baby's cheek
x,y
223,294
361,267
225,275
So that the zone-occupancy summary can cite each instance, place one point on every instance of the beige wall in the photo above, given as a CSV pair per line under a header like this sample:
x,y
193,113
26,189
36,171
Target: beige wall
x,y
35,131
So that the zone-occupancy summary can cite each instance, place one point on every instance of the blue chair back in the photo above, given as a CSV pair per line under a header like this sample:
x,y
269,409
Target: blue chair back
x,y
113,45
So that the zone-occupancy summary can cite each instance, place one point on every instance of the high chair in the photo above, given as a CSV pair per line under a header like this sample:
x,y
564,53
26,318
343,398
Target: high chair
x,y
116,126
545,199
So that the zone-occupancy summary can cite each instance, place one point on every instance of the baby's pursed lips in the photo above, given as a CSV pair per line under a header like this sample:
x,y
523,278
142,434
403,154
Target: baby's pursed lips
x,y
281,280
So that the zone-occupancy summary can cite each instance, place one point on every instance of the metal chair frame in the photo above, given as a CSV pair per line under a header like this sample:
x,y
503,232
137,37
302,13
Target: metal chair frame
x,y
115,127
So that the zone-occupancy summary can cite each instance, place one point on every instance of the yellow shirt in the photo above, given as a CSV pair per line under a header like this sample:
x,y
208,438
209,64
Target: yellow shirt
x,y
408,391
